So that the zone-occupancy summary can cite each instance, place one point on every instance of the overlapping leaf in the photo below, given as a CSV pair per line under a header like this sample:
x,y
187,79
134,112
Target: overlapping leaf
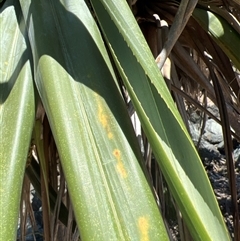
x,y
97,147
222,32
163,126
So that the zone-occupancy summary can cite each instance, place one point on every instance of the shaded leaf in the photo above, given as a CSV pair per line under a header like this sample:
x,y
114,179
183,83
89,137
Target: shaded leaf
x,y
162,124
221,31
111,197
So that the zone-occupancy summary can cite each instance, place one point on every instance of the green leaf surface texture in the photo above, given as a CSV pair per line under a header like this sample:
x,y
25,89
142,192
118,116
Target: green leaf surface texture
x,y
17,107
222,33
94,136
161,122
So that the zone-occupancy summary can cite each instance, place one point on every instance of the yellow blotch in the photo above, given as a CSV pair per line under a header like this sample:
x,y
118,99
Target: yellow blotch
x,y
110,135
120,167
143,225
104,119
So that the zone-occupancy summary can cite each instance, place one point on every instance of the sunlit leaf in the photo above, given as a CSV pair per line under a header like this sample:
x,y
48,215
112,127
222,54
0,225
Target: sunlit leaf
x,y
162,124
16,116
222,32
99,153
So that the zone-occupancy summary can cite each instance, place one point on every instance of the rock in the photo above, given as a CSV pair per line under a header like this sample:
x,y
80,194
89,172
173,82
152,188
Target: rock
x,y
208,151
195,118
213,132
236,155
36,202
38,230
212,136
195,132
214,110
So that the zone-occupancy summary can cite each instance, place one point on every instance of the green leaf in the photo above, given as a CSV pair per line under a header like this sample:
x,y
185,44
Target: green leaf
x,y
162,124
17,110
222,33
97,146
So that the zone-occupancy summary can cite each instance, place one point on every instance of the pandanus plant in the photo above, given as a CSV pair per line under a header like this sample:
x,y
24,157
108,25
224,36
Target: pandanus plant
x,y
73,76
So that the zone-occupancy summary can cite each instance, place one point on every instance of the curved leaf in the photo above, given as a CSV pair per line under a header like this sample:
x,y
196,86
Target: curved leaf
x,y
221,31
162,124
111,197
16,116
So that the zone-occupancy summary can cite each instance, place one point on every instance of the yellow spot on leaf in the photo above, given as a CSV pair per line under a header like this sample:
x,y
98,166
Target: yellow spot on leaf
x,y
143,225
120,167
117,154
104,119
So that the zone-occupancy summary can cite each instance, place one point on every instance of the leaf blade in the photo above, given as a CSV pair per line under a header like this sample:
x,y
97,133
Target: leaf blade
x,y
91,127
163,126
17,108
221,31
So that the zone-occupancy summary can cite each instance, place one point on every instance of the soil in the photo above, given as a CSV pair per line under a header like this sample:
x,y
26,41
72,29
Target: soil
x,y
217,173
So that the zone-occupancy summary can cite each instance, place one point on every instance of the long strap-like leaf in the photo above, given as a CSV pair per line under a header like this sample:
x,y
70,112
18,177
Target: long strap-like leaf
x,y
162,124
16,115
222,32
97,146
